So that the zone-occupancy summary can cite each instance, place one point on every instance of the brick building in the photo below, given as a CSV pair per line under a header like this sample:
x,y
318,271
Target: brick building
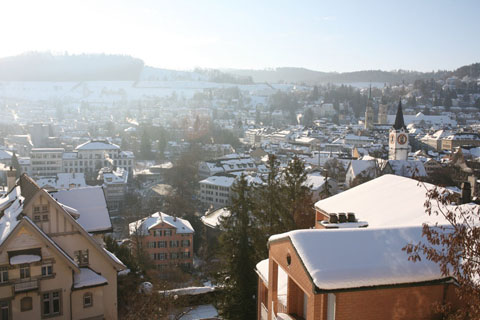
x,y
349,274
167,240
357,270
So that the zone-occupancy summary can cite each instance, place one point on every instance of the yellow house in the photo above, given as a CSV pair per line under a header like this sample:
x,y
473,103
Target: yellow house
x,y
50,266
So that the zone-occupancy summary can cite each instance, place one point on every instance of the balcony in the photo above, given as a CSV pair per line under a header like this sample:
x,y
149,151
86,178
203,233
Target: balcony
x,y
22,285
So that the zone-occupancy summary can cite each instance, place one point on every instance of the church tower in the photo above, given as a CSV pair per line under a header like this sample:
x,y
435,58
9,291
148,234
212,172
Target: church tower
x,y
382,111
398,138
369,115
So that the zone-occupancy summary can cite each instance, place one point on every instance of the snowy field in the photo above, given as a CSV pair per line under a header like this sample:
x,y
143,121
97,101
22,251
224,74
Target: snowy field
x,y
110,91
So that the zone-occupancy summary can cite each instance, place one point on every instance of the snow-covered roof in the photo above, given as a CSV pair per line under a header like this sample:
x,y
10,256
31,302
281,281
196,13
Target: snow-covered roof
x,y
355,258
212,219
315,181
24,258
97,145
87,278
70,155
359,166
12,206
113,256
93,212
388,200
222,181
119,176
5,155
408,168
262,270
145,224
63,181
189,290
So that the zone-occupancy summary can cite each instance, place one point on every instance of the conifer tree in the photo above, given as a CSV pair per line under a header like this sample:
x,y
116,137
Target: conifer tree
x,y
238,257
270,207
16,164
299,201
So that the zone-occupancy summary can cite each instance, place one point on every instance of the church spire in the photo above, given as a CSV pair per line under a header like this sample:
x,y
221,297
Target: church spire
x,y
399,123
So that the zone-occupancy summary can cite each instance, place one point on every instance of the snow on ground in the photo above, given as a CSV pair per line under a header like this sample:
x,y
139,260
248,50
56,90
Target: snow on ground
x,y
109,91
208,287
206,311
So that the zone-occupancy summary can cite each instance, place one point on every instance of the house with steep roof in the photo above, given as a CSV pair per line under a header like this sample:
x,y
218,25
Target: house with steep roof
x,y
50,266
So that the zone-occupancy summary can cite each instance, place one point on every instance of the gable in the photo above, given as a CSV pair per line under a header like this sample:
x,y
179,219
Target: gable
x,y
61,223
278,252
48,215
26,236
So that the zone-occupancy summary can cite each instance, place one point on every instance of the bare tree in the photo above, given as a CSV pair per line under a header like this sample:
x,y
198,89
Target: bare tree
x,y
455,246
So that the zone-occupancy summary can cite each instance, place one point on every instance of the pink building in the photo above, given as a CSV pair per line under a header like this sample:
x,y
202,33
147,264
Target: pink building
x,y
168,240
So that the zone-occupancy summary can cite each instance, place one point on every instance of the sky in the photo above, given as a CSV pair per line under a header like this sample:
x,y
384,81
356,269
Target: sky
x,y
323,35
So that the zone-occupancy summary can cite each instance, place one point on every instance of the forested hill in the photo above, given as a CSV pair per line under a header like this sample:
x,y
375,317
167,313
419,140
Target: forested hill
x,y
84,67
298,75
101,67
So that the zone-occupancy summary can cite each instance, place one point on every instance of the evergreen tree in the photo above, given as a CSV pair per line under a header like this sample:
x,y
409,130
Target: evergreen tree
x,y
308,117
237,277
299,201
270,210
145,146
16,164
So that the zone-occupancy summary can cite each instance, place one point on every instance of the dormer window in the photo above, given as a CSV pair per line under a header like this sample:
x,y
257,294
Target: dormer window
x,y
81,257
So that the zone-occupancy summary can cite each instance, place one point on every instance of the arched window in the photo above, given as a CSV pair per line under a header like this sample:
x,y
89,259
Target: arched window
x,y
26,304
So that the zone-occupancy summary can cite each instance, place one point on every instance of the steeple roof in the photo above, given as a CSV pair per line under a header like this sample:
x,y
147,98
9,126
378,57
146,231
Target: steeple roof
x,y
399,123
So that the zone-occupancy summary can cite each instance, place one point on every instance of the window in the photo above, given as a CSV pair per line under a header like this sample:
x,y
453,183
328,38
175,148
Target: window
x,y
36,209
168,232
173,255
87,300
45,217
162,244
186,254
26,304
3,274
4,310
24,271
185,243
44,208
174,244
81,257
51,303
162,256
47,270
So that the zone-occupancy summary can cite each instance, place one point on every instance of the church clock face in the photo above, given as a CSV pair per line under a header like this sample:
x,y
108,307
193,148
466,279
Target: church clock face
x,y
402,139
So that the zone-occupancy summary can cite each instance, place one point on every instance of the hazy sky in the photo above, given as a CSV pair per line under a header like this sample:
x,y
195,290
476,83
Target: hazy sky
x,y
326,35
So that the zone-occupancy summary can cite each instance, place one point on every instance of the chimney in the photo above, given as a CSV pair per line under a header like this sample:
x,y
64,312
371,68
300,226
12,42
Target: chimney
x,y
473,185
466,193
11,178
333,218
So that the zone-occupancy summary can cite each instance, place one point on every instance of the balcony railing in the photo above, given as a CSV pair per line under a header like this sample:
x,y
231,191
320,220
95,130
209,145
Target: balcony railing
x,y
25,285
